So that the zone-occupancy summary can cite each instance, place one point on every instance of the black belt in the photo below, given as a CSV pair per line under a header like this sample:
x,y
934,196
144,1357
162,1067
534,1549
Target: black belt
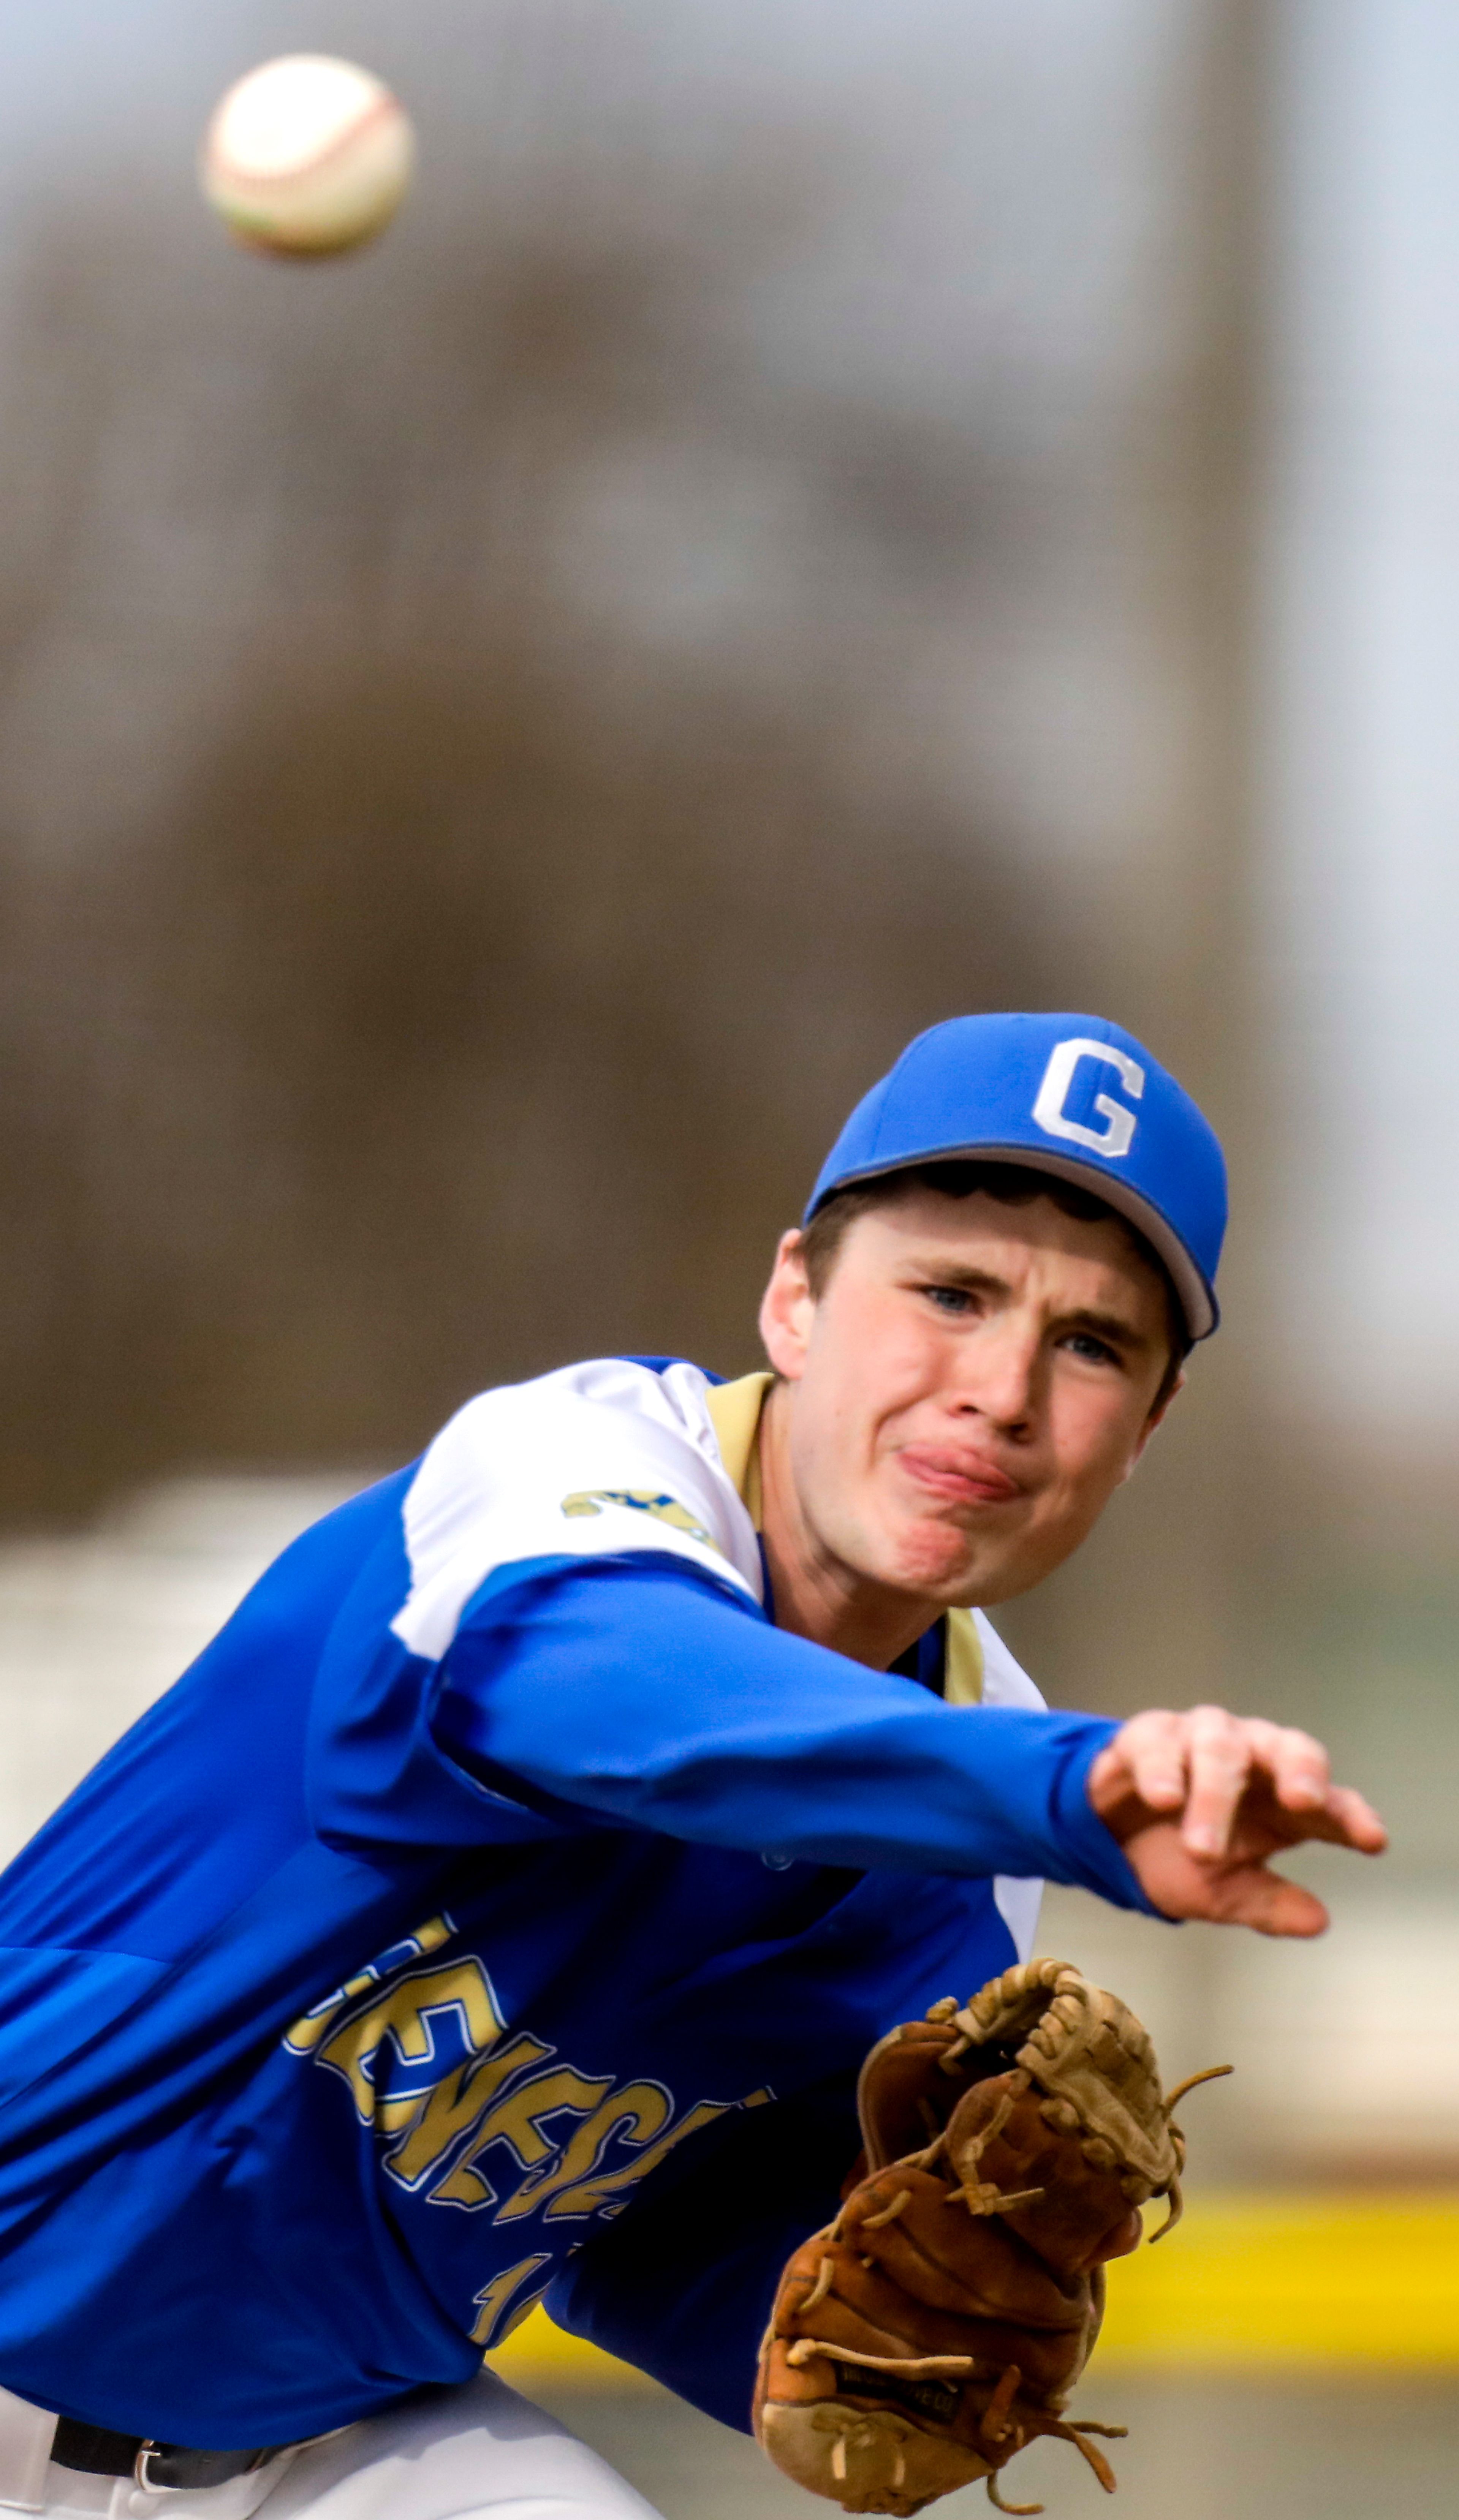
x,y
95,2451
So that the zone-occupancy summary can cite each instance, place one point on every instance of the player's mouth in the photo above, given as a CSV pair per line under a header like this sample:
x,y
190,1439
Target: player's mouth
x,y
962,1478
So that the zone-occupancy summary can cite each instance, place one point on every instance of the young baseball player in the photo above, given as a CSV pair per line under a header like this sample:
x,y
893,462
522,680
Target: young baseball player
x,y
501,1906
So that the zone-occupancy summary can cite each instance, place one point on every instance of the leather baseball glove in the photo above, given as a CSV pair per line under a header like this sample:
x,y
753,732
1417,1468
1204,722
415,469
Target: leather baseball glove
x,y
941,2321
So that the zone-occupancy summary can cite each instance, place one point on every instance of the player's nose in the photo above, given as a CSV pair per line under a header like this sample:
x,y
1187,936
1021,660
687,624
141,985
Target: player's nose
x,y
997,1372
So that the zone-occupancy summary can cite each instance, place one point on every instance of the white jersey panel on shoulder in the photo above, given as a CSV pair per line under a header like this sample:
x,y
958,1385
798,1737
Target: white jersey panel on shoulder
x,y
593,1460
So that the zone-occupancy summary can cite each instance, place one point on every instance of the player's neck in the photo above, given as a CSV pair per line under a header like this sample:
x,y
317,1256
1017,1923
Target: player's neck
x,y
816,1595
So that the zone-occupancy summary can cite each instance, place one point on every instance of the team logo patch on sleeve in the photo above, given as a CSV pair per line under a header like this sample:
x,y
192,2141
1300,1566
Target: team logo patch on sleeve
x,y
663,1508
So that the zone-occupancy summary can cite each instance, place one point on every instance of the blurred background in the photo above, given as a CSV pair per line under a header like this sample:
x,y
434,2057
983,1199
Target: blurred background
x,y
817,518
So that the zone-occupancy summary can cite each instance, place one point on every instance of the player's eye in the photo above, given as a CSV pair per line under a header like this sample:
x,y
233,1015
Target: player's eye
x,y
951,1299
1097,1351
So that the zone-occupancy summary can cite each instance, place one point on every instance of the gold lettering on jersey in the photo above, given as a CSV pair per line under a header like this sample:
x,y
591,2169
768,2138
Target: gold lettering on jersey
x,y
517,2122
452,2107
497,2310
637,2111
662,1508
407,2015
306,2035
432,2067
591,2194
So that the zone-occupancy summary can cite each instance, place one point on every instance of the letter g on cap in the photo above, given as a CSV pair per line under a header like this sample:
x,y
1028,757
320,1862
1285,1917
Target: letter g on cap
x,y
1048,1108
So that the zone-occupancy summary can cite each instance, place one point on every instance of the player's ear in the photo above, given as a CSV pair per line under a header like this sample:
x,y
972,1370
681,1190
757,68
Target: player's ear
x,y
789,1308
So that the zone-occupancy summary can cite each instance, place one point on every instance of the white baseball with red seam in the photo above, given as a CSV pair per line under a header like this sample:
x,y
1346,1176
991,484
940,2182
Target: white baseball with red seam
x,y
308,154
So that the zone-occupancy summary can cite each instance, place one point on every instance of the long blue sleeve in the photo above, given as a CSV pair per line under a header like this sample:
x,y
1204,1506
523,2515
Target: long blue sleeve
x,y
638,1691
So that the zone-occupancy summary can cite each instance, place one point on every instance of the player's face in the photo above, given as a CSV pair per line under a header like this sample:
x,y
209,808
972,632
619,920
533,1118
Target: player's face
x,y
972,1386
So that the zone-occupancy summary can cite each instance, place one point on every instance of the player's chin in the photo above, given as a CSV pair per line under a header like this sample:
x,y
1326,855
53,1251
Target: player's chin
x,y
934,1559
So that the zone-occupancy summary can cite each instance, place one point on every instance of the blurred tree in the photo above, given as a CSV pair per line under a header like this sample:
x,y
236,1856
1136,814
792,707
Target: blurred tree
x,y
474,991
501,741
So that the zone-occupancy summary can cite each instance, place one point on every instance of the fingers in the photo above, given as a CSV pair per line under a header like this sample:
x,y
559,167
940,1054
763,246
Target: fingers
x,y
1298,1773
1151,1750
1352,1822
1211,1766
1220,1751
1299,1766
1184,1885
1268,1903
1228,1752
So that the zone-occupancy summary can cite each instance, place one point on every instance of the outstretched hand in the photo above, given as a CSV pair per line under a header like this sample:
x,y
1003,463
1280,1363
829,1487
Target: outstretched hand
x,y
1202,1802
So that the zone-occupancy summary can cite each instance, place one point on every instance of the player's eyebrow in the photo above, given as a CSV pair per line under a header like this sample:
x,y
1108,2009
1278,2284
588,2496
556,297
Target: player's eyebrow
x,y
1111,1326
960,1273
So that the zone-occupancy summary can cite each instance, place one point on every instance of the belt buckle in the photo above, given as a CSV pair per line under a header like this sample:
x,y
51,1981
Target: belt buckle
x,y
145,2451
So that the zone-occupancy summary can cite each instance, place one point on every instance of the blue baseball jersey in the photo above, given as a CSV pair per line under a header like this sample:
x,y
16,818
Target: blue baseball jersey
x,y
499,1902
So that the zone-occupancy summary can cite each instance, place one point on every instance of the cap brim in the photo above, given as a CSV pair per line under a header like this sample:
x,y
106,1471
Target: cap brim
x,y
1197,1299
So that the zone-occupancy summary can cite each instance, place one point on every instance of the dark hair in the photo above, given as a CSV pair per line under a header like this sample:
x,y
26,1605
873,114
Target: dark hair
x,y
1013,1186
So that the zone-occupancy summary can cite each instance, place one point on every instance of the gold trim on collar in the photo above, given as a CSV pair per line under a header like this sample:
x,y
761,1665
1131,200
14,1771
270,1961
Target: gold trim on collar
x,y
962,1680
734,1416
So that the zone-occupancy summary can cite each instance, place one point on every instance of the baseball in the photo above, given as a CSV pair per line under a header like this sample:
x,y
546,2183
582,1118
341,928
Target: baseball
x,y
308,154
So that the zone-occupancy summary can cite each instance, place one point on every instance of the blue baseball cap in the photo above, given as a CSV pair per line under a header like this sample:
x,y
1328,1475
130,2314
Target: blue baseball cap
x,y
1068,1094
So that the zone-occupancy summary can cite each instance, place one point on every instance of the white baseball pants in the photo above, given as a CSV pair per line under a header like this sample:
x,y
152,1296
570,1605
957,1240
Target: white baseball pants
x,y
450,2455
